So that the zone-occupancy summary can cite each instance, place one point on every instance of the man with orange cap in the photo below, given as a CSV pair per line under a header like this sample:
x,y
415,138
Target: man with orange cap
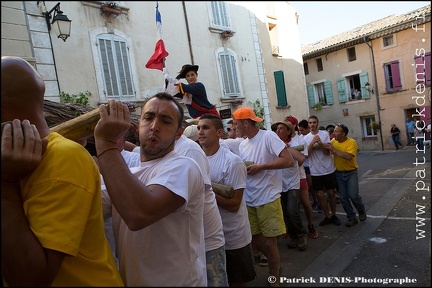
x,y
269,154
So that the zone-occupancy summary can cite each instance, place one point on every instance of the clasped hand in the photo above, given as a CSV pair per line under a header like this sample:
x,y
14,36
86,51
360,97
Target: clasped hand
x,y
21,150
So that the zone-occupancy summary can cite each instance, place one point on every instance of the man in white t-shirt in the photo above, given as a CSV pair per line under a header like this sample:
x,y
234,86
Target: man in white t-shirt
x,y
263,184
322,170
213,227
158,223
228,169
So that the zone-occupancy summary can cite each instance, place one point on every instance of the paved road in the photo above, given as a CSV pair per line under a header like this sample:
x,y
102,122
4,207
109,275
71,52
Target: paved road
x,y
393,244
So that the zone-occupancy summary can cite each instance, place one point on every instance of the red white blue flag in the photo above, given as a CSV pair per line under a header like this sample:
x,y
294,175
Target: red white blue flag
x,y
156,61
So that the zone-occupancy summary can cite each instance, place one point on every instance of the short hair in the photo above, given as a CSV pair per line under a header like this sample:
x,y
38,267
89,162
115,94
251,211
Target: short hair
x,y
230,122
314,117
217,122
344,128
167,97
304,124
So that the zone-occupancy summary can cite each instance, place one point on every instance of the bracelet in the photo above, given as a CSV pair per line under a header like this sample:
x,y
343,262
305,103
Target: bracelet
x,y
109,148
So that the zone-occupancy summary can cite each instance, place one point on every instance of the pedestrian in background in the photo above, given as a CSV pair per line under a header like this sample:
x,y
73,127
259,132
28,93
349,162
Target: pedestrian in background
x,y
410,124
395,136
344,150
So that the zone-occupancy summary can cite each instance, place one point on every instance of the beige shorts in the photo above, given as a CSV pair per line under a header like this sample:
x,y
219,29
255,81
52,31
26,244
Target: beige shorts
x,y
267,219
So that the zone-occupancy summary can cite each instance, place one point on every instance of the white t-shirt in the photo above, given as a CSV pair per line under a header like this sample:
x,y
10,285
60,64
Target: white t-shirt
x,y
132,159
228,169
233,144
171,251
213,227
296,141
265,186
319,163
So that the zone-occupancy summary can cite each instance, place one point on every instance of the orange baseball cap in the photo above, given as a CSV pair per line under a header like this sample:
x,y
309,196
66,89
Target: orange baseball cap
x,y
246,113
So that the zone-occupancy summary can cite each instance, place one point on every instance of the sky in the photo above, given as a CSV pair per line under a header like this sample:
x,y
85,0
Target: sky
x,y
320,20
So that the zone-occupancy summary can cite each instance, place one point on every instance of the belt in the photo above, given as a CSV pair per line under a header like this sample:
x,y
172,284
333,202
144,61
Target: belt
x,y
347,171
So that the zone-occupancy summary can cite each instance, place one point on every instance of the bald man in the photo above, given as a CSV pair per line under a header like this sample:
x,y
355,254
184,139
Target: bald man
x,y
52,226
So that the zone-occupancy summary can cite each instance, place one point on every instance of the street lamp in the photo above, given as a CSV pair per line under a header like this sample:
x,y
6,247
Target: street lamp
x,y
60,23
369,87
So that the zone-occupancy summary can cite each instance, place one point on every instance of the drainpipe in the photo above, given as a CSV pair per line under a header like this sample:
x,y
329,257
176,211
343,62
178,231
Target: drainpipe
x,y
376,93
188,33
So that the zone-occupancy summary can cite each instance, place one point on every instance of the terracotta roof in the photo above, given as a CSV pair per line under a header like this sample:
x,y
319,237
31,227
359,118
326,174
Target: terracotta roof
x,y
376,29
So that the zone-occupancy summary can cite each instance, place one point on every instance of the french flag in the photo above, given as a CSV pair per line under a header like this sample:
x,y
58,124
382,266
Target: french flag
x,y
156,61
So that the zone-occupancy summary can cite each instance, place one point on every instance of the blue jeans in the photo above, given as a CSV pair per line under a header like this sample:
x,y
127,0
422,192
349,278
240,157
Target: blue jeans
x,y
348,189
396,141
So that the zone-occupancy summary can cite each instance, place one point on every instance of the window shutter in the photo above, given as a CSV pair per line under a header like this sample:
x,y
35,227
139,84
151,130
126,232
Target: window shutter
x,y
219,14
341,90
423,69
328,92
280,88
397,84
428,68
117,75
311,96
363,80
229,75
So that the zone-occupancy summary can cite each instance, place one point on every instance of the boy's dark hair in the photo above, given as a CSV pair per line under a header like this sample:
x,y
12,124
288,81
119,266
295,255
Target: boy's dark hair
x,y
304,124
217,122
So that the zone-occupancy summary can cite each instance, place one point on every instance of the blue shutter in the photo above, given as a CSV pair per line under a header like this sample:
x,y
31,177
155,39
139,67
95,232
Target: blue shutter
x,y
328,92
280,88
363,80
311,96
341,90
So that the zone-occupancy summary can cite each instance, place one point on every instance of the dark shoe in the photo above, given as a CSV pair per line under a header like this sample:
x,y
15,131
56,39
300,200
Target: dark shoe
x,y
292,243
257,258
351,223
312,232
302,242
335,220
326,221
362,216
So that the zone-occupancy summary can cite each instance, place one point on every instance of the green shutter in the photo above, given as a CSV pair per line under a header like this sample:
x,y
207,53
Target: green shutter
x,y
341,90
311,96
363,79
328,92
280,89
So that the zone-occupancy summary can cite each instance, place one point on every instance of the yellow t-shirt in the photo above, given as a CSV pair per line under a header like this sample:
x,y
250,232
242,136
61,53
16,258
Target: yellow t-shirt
x,y
350,146
63,204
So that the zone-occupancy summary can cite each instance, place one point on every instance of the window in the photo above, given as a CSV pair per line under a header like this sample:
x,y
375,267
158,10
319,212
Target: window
x,y
348,85
115,64
392,76
219,15
319,64
423,68
229,73
388,40
320,92
367,127
351,54
306,68
280,89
